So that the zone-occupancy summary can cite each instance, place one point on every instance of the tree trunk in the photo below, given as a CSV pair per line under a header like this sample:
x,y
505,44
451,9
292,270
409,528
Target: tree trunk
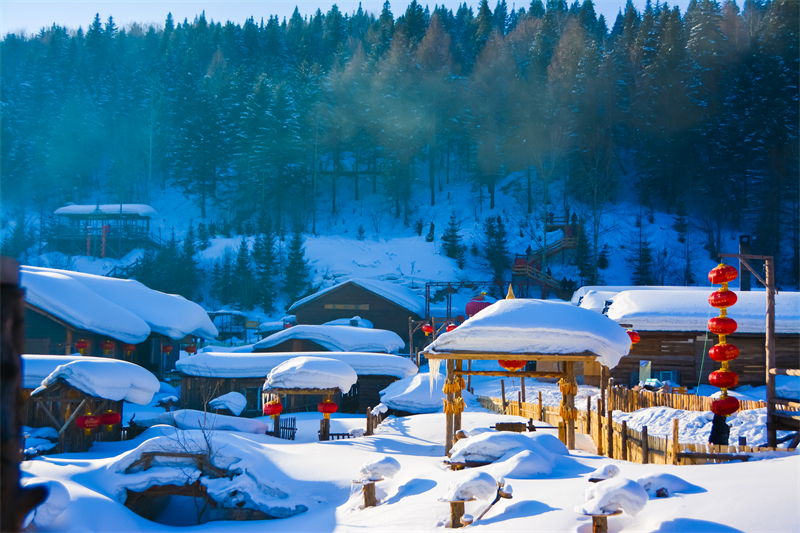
x,y
432,171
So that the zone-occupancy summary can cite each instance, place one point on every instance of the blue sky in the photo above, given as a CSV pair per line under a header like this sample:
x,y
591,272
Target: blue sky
x,y
31,15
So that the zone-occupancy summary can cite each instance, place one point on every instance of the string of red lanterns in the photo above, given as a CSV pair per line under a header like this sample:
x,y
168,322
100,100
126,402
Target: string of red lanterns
x,y
273,408
723,352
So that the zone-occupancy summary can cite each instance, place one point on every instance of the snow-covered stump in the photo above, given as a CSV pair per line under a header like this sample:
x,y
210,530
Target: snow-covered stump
x,y
600,521
373,472
468,488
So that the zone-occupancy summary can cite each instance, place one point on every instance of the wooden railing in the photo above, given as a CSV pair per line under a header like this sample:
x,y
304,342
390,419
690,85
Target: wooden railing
x,y
621,442
624,399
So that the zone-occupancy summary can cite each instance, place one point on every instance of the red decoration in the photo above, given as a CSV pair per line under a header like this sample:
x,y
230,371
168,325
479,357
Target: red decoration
x,y
725,406
107,346
722,325
81,345
287,325
722,299
190,349
88,421
723,352
166,348
477,304
427,329
451,327
273,409
326,407
635,337
722,273
110,418
512,366
129,347
723,379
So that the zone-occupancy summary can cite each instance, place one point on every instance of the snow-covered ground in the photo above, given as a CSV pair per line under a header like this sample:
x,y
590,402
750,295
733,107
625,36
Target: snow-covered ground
x,y
276,474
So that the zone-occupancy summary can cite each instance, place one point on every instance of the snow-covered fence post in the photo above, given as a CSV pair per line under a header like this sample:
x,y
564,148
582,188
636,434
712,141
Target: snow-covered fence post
x,y
369,430
624,443
503,394
373,472
645,446
675,437
541,408
599,441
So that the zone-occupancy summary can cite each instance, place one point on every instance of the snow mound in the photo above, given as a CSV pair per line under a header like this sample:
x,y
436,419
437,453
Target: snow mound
x,y
37,367
312,373
191,419
537,326
393,292
413,395
360,322
475,484
496,445
106,378
612,495
524,464
235,402
651,483
604,472
234,365
57,500
382,468
688,310
338,338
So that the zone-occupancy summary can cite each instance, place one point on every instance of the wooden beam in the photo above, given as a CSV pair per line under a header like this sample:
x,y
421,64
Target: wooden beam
x,y
71,418
507,374
784,401
747,256
784,371
488,356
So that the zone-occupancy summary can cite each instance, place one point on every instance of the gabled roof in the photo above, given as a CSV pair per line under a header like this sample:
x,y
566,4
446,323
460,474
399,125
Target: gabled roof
x,y
397,294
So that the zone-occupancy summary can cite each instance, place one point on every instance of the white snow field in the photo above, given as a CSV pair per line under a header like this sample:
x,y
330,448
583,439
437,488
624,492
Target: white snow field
x,y
284,477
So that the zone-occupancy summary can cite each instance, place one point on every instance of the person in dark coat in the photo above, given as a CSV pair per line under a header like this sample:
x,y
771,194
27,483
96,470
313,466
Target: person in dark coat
x,y
574,219
564,283
549,272
528,253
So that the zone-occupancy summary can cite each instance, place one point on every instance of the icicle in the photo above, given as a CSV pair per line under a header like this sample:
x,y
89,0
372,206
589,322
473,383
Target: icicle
x,y
433,371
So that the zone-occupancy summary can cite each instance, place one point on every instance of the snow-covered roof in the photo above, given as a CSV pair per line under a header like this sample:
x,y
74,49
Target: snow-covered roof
x,y
241,365
37,367
648,310
596,300
338,338
537,327
360,322
106,378
576,296
120,308
312,373
402,296
141,210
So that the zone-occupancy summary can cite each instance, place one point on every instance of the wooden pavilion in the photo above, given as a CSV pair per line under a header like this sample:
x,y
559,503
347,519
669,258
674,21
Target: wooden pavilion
x,y
565,364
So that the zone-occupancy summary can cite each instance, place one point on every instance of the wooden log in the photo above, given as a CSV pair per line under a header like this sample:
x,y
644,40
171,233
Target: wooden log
x,y
562,432
522,387
541,409
588,415
718,456
610,439
469,376
503,394
508,374
370,423
675,440
784,371
599,524
370,500
645,446
456,512
519,403
276,428
599,441
624,439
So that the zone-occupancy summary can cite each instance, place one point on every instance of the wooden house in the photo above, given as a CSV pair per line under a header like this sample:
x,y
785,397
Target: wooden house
x,y
207,375
675,340
68,312
387,305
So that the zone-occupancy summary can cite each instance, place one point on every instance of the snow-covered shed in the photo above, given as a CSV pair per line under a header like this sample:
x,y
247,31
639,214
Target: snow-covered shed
x,y
673,326
308,338
218,373
63,307
102,230
74,387
386,304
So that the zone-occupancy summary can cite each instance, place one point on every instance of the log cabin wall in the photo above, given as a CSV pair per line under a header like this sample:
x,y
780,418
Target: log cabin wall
x,y
751,363
294,345
369,388
196,391
349,300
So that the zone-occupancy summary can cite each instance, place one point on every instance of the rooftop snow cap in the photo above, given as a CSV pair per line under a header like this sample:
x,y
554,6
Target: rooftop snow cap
x,y
123,309
134,210
398,294
237,365
312,373
648,310
537,327
338,338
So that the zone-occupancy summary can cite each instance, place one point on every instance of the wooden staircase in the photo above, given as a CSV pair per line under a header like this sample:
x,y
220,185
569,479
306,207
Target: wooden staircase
x,y
523,267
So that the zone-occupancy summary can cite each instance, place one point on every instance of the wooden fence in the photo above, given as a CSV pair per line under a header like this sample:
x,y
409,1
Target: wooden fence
x,y
628,401
626,443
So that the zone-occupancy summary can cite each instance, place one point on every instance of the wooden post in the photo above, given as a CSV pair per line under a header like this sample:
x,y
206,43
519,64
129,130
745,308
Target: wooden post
x,y
456,512
411,340
602,390
519,402
469,377
772,434
610,439
370,500
456,396
522,389
624,443
599,524
599,442
562,432
645,446
570,403
675,440
541,408
503,393
276,428
68,348
324,429
589,415
449,433
370,423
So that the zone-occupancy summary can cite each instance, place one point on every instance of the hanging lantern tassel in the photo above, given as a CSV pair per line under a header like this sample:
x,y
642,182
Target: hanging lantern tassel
x,y
723,352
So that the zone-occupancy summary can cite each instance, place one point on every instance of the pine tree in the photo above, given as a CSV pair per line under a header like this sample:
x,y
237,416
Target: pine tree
x,y
265,260
604,257
430,236
495,247
681,225
452,243
188,269
242,278
19,240
360,236
203,237
583,258
296,282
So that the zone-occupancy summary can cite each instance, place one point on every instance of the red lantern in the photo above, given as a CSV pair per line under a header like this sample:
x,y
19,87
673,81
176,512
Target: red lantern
x,y
451,327
110,419
81,345
722,273
326,407
635,337
273,409
107,346
287,325
477,304
723,352
129,347
191,349
722,299
723,380
167,348
722,325
87,423
511,365
427,329
725,406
